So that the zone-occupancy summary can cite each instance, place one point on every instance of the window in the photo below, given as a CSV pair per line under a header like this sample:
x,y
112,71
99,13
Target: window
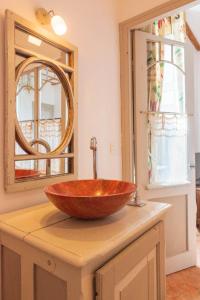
x,y
167,118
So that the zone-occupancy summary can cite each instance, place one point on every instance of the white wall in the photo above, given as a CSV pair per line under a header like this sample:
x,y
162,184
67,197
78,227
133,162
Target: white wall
x,y
193,19
93,28
197,100
129,8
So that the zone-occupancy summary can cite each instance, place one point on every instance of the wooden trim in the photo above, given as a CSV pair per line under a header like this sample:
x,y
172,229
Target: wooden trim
x,y
42,156
155,12
73,60
192,37
1,279
125,29
9,137
161,262
29,53
36,110
63,115
31,184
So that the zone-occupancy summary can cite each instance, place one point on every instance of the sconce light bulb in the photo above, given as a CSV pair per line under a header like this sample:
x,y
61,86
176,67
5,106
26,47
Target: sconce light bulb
x,y
58,24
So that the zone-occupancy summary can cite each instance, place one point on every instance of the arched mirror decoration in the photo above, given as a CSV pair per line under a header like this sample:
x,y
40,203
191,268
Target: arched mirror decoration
x,y
41,107
41,99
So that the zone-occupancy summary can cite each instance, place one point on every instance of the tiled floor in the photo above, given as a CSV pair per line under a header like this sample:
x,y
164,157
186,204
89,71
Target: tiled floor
x,y
185,285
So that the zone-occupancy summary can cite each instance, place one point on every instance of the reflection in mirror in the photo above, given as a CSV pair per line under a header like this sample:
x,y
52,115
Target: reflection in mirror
x,y
26,41
42,115
35,169
41,107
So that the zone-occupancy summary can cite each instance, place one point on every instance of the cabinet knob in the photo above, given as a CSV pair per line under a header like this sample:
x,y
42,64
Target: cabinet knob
x,y
51,264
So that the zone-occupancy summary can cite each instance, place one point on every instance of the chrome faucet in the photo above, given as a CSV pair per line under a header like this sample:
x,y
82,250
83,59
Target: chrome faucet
x,y
93,147
136,201
48,149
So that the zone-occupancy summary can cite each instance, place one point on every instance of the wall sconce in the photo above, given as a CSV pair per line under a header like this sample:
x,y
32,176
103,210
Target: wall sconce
x,y
57,23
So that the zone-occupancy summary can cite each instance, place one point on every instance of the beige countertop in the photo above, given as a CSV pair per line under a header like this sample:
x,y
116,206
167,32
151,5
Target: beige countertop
x,y
80,242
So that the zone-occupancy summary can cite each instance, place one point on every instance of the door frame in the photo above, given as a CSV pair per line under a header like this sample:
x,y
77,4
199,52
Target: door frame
x,y
125,28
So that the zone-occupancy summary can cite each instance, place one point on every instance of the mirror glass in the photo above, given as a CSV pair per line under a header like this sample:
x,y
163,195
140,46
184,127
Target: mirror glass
x,y
36,169
41,107
34,44
42,112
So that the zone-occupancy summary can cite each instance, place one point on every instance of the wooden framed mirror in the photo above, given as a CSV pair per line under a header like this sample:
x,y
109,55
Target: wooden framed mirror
x,y
41,107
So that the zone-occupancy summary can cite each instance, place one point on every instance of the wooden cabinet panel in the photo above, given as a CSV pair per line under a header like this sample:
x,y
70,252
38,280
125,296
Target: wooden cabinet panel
x,y
11,274
47,286
132,274
136,286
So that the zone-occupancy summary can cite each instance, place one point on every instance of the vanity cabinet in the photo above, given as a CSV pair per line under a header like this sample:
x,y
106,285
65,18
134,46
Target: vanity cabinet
x,y
46,255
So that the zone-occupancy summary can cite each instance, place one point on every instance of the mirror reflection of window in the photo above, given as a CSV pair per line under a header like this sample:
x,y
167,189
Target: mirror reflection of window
x,y
42,112
25,104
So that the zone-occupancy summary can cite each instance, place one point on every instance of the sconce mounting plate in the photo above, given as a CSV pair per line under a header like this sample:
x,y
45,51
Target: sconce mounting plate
x,y
43,16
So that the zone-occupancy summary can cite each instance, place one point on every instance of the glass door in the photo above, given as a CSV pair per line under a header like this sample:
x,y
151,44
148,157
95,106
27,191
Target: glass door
x,y
163,103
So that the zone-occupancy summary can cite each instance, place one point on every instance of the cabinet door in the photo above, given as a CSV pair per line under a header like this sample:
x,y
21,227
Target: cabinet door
x,y
135,284
135,273
141,282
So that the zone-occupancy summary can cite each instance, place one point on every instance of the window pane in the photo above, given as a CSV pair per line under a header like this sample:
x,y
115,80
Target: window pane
x,y
166,88
52,108
25,98
167,121
173,90
178,56
166,52
167,149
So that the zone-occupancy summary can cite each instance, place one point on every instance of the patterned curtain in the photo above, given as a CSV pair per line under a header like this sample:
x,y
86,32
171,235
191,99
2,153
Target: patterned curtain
x,y
172,27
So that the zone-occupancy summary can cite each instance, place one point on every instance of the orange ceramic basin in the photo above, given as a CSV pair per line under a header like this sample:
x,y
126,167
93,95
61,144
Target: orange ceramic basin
x,y
90,199
25,173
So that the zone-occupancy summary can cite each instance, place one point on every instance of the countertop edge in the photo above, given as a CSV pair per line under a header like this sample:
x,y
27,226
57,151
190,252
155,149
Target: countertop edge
x,y
79,261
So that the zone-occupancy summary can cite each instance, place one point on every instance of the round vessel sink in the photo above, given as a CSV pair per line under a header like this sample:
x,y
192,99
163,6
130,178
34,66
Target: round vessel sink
x,y
25,173
90,199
